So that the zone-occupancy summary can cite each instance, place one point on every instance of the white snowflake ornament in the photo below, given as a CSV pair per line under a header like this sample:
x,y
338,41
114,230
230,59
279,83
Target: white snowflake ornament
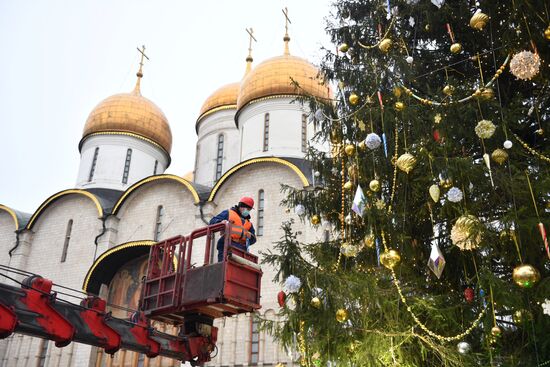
x,y
292,284
546,307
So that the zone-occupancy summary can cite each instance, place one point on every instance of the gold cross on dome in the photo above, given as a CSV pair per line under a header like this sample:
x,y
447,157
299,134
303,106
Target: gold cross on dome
x,y
142,52
251,38
287,20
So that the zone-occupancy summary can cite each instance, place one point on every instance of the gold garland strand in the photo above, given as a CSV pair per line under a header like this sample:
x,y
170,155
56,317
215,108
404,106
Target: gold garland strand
x,y
394,159
477,93
343,208
370,47
531,150
460,336
302,346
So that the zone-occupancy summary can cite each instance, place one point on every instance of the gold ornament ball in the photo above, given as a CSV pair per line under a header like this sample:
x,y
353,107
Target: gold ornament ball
x,y
315,220
316,302
446,183
341,315
369,240
496,331
539,131
485,93
390,259
406,162
479,20
456,48
499,155
349,149
399,106
465,232
521,315
348,185
547,33
362,146
344,47
525,275
374,185
385,45
448,90
397,91
353,99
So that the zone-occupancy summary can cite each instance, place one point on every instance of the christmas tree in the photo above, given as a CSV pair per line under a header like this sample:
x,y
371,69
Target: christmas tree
x,y
434,194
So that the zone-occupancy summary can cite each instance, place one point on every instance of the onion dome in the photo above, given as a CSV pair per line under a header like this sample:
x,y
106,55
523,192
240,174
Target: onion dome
x,y
222,99
284,75
130,113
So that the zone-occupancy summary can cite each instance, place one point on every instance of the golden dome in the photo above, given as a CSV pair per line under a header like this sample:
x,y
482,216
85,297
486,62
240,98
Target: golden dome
x,y
130,113
278,76
224,97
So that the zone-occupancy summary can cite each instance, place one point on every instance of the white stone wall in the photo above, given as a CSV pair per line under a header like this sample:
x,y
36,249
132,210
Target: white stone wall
x,y
210,127
111,158
7,237
285,128
43,256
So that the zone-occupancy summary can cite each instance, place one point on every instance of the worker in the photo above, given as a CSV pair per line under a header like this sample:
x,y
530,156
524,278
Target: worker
x,y
243,234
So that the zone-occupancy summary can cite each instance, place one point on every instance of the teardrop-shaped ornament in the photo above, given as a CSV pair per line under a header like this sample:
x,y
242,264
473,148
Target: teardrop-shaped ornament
x,y
435,192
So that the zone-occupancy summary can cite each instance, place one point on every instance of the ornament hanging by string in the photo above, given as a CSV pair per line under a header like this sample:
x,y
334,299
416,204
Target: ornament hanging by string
x,y
281,297
456,47
525,275
485,129
390,259
469,294
487,161
299,210
541,227
292,284
499,155
525,65
406,162
435,192
455,195
436,262
372,141
341,315
479,20
358,205
507,144
546,307
466,233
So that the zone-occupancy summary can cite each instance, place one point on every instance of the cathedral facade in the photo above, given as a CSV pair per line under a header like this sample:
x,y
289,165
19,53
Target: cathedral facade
x,y
251,138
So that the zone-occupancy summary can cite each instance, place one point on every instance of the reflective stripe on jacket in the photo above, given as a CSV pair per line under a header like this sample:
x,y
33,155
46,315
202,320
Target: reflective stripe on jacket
x,y
239,231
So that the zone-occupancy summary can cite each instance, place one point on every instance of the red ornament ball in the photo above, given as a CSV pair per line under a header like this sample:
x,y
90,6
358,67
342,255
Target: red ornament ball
x,y
469,294
281,298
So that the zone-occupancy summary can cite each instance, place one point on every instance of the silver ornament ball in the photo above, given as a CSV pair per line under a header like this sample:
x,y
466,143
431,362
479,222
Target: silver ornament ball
x,y
464,347
507,144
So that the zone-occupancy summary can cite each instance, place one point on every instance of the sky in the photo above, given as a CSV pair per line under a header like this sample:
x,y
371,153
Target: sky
x,y
58,59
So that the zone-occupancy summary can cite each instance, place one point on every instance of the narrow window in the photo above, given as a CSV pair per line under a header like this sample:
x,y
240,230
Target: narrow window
x,y
266,132
219,157
254,340
261,212
304,133
156,167
67,240
94,162
127,166
158,224
42,353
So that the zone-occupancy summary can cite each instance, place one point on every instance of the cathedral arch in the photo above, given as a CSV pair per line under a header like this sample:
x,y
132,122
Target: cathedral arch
x,y
107,264
147,180
60,194
12,213
249,162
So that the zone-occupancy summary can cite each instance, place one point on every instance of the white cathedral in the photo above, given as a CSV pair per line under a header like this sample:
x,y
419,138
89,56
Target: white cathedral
x,y
251,138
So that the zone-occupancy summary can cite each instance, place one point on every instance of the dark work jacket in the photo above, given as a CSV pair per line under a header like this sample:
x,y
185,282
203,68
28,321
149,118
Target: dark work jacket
x,y
224,215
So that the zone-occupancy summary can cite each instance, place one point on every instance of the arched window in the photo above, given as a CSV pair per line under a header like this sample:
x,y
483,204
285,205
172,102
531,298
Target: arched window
x,y
219,157
304,133
67,240
254,340
158,223
261,213
156,167
266,132
127,166
94,162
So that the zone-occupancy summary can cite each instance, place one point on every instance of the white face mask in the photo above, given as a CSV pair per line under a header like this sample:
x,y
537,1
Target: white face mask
x,y
245,213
